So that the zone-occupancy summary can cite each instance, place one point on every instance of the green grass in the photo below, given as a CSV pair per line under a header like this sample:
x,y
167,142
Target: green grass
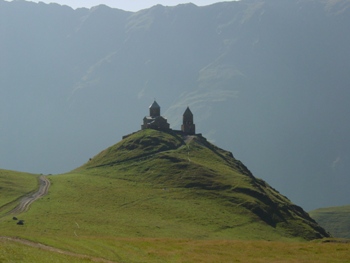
x,y
163,250
129,209
153,190
15,252
334,219
139,145
14,185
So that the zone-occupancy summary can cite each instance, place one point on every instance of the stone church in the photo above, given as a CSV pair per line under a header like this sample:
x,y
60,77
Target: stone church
x,y
154,120
158,122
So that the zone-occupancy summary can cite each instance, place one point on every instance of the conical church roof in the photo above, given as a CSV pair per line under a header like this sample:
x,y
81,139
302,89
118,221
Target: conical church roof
x,y
154,105
188,112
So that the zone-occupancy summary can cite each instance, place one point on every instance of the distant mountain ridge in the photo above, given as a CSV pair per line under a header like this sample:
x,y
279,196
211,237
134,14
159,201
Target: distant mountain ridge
x,y
334,219
267,79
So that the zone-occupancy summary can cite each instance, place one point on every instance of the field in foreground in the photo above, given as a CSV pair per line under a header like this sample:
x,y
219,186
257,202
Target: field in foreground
x,y
181,250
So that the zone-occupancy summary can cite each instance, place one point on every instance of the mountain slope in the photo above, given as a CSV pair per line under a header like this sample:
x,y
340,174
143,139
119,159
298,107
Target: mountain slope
x,y
165,161
334,219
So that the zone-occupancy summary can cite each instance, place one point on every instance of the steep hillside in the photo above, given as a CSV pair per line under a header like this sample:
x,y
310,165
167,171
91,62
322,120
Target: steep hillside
x,y
334,219
165,161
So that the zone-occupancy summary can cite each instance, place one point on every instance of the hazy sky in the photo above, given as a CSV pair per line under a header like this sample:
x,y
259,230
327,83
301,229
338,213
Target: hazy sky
x,y
129,5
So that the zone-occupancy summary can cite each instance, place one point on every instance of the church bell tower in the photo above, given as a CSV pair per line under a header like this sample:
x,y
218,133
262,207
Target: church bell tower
x,y
188,126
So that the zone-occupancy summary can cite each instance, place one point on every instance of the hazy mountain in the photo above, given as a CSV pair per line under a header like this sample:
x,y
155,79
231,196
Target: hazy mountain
x,y
267,80
334,219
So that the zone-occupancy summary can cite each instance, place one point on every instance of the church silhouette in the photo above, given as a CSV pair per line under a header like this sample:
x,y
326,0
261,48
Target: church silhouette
x,y
157,122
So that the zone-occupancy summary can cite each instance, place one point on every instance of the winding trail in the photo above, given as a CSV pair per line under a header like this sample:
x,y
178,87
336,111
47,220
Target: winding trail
x,y
26,201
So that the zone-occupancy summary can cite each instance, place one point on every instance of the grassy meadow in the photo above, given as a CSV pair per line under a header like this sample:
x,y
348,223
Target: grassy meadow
x,y
175,202
14,252
188,250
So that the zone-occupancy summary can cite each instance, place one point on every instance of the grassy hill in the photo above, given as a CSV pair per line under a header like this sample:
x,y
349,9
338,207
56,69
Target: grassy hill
x,y
201,171
155,187
334,219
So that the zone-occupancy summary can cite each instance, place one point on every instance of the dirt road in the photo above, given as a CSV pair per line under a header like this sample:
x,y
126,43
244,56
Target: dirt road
x,y
26,201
